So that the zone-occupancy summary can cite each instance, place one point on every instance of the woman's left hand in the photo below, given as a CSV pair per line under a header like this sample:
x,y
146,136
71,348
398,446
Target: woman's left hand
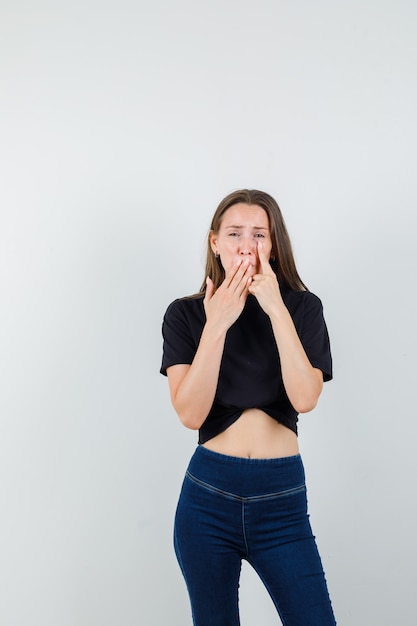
x,y
264,286
303,383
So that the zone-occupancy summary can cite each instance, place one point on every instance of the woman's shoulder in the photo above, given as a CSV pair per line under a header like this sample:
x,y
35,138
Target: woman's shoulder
x,y
304,298
305,307
189,302
186,305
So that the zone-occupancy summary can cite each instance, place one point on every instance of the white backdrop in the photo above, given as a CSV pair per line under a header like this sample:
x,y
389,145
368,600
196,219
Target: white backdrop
x,y
122,126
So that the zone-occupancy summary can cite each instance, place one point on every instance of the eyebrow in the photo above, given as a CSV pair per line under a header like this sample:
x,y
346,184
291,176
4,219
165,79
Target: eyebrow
x,y
253,227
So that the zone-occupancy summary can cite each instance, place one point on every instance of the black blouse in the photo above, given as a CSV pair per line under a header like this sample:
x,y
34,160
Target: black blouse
x,y
250,372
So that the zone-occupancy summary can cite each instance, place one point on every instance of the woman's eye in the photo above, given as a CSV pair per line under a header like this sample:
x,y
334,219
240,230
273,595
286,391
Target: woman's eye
x,y
260,235
233,234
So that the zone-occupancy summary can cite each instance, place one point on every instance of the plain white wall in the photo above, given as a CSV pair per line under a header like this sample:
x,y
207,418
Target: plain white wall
x,y
122,126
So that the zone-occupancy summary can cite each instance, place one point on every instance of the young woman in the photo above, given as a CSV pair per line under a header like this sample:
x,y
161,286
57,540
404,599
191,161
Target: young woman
x,y
243,358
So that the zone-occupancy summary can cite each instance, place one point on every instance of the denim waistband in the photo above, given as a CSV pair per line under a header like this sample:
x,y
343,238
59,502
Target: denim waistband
x,y
246,477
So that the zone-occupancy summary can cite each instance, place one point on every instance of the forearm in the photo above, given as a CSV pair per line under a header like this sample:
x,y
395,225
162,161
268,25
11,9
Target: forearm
x,y
194,396
193,387
302,382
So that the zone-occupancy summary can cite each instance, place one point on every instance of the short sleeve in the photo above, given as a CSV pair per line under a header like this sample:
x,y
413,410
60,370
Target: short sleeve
x,y
315,337
179,345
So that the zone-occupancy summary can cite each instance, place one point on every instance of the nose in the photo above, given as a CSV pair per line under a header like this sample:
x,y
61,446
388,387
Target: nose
x,y
247,246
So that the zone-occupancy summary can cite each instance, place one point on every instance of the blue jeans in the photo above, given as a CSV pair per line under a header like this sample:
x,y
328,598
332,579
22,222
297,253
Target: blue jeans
x,y
234,508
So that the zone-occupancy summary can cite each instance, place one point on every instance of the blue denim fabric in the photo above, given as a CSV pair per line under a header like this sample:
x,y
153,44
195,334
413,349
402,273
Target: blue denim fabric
x,y
234,508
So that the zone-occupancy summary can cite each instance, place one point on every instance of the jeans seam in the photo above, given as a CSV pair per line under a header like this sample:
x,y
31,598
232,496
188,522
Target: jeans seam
x,y
244,530
233,496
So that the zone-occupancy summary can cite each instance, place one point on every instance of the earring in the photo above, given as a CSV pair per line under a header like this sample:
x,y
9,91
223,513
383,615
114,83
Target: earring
x,y
216,254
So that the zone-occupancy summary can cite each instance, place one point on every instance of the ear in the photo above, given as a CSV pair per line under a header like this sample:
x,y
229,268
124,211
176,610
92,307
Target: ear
x,y
213,241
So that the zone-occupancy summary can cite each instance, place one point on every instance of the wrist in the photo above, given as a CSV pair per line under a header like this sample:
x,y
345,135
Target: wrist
x,y
279,313
215,330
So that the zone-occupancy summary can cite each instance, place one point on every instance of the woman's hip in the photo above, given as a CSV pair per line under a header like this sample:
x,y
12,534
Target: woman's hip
x,y
246,478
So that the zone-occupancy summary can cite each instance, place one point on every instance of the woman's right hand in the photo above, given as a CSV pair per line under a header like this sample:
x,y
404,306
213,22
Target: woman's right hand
x,y
193,387
224,305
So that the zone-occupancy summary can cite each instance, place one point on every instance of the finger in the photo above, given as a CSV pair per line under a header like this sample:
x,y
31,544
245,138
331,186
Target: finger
x,y
209,289
229,276
234,272
240,277
264,260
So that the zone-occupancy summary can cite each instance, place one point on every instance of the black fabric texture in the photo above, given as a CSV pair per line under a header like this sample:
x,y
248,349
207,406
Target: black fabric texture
x,y
250,372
